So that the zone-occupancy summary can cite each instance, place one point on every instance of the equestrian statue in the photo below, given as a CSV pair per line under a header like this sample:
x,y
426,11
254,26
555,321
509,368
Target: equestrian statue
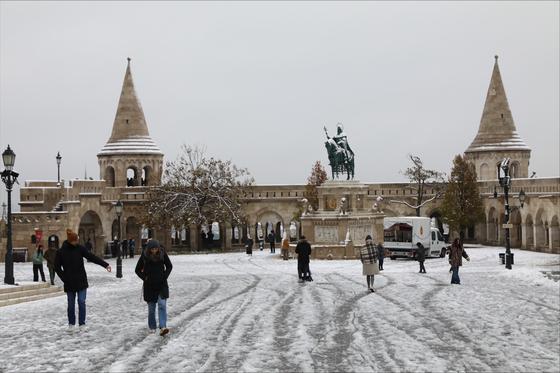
x,y
341,157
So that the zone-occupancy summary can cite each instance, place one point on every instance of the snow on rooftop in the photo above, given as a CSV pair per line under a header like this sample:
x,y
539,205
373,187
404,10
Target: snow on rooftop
x,y
132,145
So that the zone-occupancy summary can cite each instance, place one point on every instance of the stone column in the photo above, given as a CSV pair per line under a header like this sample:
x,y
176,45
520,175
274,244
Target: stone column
x,y
550,239
524,236
534,237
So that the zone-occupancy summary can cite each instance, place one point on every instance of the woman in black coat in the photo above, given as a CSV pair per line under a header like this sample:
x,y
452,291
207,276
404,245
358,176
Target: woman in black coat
x,y
154,268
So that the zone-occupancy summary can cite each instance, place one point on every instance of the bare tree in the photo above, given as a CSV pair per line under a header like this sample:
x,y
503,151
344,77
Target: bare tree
x,y
422,179
199,190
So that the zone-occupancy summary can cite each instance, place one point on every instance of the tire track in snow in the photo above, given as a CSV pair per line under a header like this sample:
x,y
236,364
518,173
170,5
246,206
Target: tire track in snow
x,y
440,342
332,352
123,344
188,317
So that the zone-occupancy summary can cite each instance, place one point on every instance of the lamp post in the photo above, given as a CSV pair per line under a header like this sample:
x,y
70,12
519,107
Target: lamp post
x,y
505,182
9,177
119,210
58,160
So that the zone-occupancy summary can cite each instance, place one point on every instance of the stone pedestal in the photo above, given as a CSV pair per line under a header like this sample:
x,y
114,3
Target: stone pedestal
x,y
339,228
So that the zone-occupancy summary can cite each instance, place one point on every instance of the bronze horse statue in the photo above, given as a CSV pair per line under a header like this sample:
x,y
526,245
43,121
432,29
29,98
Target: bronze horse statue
x,y
340,160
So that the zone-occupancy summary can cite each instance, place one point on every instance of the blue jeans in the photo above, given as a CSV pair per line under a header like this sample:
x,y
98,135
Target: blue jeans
x,y
162,313
71,295
455,276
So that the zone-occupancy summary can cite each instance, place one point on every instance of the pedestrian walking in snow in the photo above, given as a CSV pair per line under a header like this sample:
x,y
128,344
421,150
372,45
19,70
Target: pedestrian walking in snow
x,y
69,266
131,247
124,245
456,255
368,256
154,268
50,255
115,247
38,264
380,255
421,256
303,249
249,246
271,238
285,250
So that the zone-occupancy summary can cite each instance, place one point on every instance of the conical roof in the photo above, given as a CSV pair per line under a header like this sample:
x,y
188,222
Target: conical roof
x,y
130,133
497,130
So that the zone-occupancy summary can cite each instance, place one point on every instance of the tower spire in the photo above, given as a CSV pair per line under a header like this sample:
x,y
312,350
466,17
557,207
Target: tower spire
x,y
129,119
130,133
497,129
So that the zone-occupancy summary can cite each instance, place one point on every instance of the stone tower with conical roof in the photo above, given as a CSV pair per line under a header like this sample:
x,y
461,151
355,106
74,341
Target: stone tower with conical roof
x,y
130,157
497,137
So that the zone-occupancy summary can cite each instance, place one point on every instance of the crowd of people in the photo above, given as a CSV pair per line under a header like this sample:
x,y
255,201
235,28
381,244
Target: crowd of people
x,y
154,267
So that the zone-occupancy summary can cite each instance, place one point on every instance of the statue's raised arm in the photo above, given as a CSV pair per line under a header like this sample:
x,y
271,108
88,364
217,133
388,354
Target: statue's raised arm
x,y
326,132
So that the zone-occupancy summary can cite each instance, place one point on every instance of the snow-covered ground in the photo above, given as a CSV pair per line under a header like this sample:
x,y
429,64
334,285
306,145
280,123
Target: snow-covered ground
x,y
230,312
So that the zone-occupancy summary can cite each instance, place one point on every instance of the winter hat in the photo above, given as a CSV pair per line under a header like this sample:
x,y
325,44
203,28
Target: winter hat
x,y
152,244
71,235
368,237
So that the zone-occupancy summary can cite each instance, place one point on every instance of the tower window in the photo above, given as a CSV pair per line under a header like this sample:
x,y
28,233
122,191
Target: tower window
x,y
500,114
127,119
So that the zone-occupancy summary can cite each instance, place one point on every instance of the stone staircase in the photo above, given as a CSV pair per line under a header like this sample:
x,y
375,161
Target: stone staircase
x,y
27,293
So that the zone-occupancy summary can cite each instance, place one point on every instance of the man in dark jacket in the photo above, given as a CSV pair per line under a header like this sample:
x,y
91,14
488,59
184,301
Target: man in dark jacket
x,y
69,266
154,268
303,249
271,238
421,256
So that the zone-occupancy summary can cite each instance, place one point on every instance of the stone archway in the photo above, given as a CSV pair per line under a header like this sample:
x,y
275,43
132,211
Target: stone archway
x,y
540,230
516,234
91,228
269,221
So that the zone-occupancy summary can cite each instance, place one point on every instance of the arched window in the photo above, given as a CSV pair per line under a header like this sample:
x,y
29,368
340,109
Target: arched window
x,y
131,177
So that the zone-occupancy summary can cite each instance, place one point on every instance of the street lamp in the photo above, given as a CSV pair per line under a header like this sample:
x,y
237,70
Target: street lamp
x,y
9,177
119,210
58,160
505,182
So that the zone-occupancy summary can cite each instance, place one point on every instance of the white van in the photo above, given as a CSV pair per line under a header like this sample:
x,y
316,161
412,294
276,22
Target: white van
x,y
403,232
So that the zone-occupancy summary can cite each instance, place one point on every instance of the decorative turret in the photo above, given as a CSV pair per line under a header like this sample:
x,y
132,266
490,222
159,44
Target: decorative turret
x,y
497,137
130,157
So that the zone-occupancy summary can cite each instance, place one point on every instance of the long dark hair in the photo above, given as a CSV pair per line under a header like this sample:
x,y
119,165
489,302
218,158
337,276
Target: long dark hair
x,y
40,249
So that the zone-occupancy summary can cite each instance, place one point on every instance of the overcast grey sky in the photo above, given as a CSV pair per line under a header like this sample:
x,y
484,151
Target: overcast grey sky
x,y
257,81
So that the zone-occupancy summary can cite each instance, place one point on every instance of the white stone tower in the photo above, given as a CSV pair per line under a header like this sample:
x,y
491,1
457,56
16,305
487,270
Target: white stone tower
x,y
497,137
130,157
